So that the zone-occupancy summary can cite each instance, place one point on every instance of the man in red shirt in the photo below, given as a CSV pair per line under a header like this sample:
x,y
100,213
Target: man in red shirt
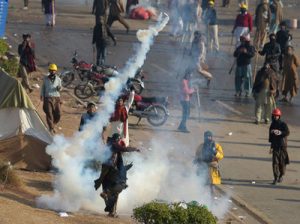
x,y
243,24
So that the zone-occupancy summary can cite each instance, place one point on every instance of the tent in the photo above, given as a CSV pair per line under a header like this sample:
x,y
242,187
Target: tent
x,y
23,135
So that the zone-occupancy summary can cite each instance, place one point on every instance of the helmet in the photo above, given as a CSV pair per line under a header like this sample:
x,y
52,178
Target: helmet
x,y
52,67
243,6
276,112
211,3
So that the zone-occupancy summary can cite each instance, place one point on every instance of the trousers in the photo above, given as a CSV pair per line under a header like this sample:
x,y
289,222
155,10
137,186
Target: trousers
x,y
51,108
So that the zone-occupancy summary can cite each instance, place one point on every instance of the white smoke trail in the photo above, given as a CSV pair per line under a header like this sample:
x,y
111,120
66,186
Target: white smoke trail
x,y
74,183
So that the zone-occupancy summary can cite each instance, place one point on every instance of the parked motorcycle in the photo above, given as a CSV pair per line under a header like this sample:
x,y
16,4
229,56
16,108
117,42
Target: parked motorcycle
x,y
83,70
97,81
154,109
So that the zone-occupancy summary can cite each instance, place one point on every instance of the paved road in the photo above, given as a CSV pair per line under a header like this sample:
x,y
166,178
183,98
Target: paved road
x,y
246,150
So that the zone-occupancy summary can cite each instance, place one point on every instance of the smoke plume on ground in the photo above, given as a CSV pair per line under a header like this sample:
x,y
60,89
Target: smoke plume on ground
x,y
74,183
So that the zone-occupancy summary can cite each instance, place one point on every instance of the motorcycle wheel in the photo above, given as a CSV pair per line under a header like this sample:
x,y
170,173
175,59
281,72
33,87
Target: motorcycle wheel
x,y
160,117
137,87
83,91
67,78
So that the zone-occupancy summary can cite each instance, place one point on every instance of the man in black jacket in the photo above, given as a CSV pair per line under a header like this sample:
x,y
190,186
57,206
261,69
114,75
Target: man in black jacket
x,y
243,72
100,33
278,138
99,10
272,52
282,38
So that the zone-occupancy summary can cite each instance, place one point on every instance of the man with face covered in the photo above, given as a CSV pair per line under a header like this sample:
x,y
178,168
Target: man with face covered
x,y
272,52
209,154
243,72
50,95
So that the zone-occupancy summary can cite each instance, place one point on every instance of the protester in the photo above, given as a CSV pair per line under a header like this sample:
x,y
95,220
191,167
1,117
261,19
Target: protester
x,y
290,75
210,19
119,119
26,4
243,72
272,52
115,9
113,174
99,10
88,116
283,37
243,24
27,60
278,133
189,18
264,90
49,10
185,97
208,156
198,54
262,21
276,19
50,95
100,33
175,18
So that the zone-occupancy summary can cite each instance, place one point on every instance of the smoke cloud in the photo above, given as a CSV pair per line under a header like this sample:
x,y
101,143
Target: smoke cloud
x,y
74,184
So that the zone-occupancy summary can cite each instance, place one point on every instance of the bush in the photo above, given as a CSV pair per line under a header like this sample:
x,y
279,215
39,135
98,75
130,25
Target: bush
x,y
11,66
8,175
3,47
175,213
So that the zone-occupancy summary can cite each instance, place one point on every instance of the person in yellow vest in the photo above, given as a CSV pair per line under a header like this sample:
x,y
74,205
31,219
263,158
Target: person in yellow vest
x,y
208,155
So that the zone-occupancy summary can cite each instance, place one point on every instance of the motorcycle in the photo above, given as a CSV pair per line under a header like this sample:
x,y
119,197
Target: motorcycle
x,y
84,70
154,109
97,82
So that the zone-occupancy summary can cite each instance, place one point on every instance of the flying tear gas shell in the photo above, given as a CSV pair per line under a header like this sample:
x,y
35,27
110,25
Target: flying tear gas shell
x,y
144,35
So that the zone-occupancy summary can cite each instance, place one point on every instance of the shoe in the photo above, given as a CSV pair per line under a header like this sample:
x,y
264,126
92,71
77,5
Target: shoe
x,y
104,196
256,122
280,179
274,181
184,130
25,8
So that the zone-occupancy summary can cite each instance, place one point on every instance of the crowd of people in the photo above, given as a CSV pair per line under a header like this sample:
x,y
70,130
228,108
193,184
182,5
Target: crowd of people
x,y
278,75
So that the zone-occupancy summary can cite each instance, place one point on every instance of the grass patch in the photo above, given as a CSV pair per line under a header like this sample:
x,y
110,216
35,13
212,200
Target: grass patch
x,y
8,175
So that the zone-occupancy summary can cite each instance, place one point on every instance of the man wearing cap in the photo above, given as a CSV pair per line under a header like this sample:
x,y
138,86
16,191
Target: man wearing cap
x,y
50,95
210,19
243,24
262,21
278,133
264,90
243,72
209,154
88,116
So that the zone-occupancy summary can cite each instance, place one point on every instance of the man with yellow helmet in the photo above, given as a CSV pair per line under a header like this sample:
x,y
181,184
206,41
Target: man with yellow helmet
x,y
210,19
243,24
50,95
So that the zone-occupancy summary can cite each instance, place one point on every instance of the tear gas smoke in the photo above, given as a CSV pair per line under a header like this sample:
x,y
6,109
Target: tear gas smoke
x,y
74,184
167,173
